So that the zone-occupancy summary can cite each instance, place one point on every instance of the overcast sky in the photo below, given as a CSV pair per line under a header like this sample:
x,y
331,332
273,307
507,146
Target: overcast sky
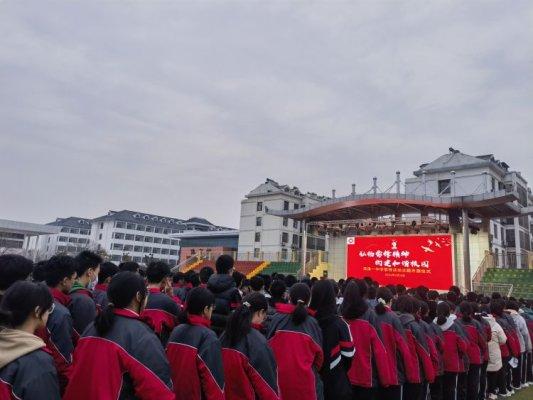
x,y
181,108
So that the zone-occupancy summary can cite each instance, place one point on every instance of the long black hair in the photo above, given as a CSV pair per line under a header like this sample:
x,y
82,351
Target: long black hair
x,y
353,305
299,295
466,311
443,312
121,291
240,321
384,294
21,299
197,300
323,299
406,304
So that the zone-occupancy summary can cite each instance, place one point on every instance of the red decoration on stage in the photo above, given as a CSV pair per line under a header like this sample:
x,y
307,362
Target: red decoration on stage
x,y
411,260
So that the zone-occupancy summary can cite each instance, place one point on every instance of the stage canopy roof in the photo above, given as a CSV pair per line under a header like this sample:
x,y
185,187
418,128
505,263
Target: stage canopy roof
x,y
498,204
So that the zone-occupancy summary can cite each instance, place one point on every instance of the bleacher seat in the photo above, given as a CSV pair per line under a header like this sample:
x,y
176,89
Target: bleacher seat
x,y
521,279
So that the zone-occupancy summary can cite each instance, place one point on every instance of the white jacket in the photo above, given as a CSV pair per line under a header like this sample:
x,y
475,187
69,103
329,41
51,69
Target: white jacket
x,y
497,338
523,332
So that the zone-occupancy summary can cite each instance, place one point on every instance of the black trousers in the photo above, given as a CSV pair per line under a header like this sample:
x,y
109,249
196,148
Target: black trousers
x,y
529,367
449,386
472,382
362,393
435,389
517,372
482,381
390,393
502,376
493,381
462,383
412,391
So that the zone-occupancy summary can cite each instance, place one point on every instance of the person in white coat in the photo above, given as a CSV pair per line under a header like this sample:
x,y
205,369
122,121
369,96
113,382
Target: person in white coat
x,y
519,372
494,367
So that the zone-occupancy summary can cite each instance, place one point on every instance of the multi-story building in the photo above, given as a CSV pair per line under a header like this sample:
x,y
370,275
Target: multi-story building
x,y
265,236
459,174
16,237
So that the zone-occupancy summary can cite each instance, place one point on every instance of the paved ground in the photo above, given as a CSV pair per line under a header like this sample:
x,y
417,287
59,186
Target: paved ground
x,y
524,394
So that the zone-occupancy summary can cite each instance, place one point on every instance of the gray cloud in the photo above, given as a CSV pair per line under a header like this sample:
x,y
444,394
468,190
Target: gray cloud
x,y
181,108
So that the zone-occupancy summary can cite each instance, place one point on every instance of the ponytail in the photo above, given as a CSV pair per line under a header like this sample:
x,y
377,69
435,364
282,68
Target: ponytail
x,y
443,312
299,294
197,300
384,296
121,291
466,311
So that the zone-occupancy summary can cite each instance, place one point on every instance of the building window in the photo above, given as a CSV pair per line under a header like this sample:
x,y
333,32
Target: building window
x,y
158,240
493,184
119,224
284,237
128,247
62,238
116,246
158,230
256,253
64,229
138,249
166,231
173,252
166,241
149,229
495,232
100,236
284,254
285,205
131,227
510,238
295,240
285,221
445,186
156,250
258,221
259,206
118,235
148,239
74,230
295,224
174,242
164,251
257,236
147,249
140,227
101,225
139,238
296,206
129,237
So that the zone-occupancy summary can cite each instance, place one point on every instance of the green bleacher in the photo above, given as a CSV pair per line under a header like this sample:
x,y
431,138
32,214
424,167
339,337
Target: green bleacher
x,y
521,279
282,267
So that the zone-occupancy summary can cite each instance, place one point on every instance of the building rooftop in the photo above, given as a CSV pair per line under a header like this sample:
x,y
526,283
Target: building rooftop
x,y
271,186
27,228
72,222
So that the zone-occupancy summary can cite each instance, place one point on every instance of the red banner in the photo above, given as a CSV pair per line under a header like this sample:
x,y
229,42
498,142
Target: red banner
x,y
410,260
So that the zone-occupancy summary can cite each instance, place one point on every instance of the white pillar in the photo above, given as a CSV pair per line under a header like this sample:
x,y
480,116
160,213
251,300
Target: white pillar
x,y
466,251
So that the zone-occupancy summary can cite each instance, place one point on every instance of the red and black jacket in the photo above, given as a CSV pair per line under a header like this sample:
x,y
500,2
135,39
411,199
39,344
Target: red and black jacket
x,y
82,308
128,362
402,363
417,342
227,298
195,357
476,342
250,371
100,295
298,353
339,350
161,313
59,337
512,347
455,346
30,377
370,366
432,342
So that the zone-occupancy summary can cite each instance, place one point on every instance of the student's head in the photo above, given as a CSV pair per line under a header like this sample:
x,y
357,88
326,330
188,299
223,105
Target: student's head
x,y
472,297
13,268
299,295
400,290
200,302
323,299
26,306
126,290
107,271
424,309
39,270
513,305
130,266
178,278
60,272
205,274
422,292
497,306
290,280
384,296
193,278
443,312
372,291
354,304
267,279
278,290
257,283
224,264
456,290
88,268
433,295
239,279
466,311
158,273
406,304
252,310
452,297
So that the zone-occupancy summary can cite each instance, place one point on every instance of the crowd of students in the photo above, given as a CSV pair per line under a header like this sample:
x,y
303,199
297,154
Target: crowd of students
x,y
80,328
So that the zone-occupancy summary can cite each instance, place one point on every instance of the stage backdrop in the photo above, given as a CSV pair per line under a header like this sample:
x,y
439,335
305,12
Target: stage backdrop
x,y
411,260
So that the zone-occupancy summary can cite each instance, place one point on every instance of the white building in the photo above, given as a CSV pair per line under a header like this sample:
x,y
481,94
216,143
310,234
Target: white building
x,y
265,236
459,174
16,236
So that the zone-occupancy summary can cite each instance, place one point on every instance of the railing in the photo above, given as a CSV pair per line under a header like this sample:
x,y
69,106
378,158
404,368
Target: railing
x,y
505,289
184,264
486,263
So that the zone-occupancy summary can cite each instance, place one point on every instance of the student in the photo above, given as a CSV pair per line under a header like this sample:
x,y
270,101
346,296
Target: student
x,y
250,371
182,291
13,268
82,307
408,309
454,348
296,339
257,284
337,342
435,341
129,266
205,274
60,274
118,355
194,351
485,334
370,367
26,370
161,310
524,341
402,363
227,296
107,271
476,343
495,364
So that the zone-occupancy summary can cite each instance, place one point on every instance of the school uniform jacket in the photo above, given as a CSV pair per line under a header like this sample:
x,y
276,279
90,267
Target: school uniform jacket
x,y
512,347
161,313
432,342
298,353
370,366
128,362
339,350
250,371
455,346
27,371
82,308
227,298
195,357
100,295
402,363
417,342
476,342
